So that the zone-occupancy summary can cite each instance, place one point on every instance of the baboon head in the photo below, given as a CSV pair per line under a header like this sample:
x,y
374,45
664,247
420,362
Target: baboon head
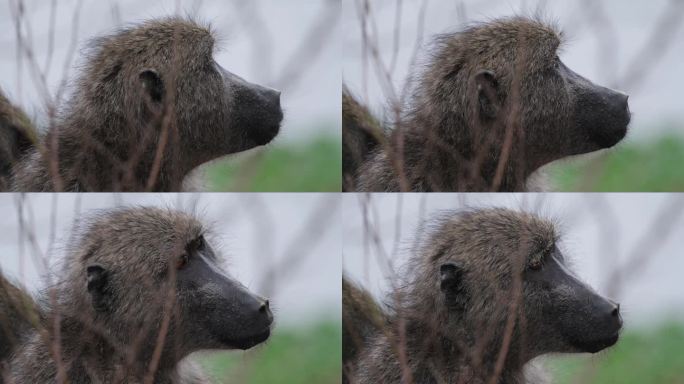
x,y
161,75
487,265
516,89
135,268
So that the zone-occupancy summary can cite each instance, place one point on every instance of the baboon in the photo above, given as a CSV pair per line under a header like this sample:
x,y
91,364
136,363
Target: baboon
x,y
361,318
17,136
361,135
19,314
488,290
151,104
141,289
493,105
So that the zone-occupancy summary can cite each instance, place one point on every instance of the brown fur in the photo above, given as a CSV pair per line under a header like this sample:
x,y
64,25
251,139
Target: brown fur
x,y
17,136
116,344
455,334
111,134
19,314
361,135
362,318
448,140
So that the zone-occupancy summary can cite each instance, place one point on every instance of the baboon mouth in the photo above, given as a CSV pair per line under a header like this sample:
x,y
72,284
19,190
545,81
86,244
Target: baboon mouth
x,y
251,341
267,134
610,136
596,345
270,128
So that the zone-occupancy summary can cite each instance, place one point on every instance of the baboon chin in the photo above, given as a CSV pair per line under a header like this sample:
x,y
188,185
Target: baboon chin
x,y
493,105
484,285
150,105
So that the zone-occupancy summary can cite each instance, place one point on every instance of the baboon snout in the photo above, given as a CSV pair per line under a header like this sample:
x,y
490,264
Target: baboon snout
x,y
618,102
612,316
622,99
265,311
605,114
272,97
258,112
257,311
269,98
596,326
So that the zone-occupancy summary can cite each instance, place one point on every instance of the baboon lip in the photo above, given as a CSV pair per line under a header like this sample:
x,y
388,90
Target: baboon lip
x,y
268,134
269,129
596,345
608,136
250,341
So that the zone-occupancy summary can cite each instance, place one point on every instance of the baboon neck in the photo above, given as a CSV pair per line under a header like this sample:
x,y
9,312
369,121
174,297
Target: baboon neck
x,y
95,351
443,165
440,351
112,158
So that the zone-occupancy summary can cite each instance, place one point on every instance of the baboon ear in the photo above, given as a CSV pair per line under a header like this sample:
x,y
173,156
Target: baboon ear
x,y
97,277
450,276
487,91
152,84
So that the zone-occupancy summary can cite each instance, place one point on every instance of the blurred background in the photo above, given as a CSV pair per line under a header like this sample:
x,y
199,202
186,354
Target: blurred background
x,y
282,246
292,46
630,45
627,246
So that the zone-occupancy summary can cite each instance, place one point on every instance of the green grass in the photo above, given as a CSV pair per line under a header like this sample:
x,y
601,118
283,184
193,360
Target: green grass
x,y
640,357
314,166
653,166
313,355
310,355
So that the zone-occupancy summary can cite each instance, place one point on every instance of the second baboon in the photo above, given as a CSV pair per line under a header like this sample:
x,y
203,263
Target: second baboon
x,y
17,136
18,314
151,104
361,317
487,291
361,135
141,289
493,105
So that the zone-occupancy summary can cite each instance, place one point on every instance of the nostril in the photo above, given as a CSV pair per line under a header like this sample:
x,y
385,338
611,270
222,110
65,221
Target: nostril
x,y
624,102
264,306
616,311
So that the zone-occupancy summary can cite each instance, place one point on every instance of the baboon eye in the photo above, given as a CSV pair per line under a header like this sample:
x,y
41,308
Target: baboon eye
x,y
201,244
535,265
182,261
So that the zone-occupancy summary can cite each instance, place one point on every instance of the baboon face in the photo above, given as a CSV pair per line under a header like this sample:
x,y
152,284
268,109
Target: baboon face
x,y
568,114
161,75
225,313
231,113
567,313
517,84
495,256
561,113
256,109
601,115
144,265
